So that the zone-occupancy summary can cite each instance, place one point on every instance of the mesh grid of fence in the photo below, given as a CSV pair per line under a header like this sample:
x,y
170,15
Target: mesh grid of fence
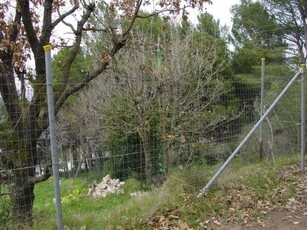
x,y
134,128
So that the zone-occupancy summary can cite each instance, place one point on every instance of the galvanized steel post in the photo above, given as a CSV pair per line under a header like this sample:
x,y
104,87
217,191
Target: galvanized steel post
x,y
53,144
236,151
261,109
303,118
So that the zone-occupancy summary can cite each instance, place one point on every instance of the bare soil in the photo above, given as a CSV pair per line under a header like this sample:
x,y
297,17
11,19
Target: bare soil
x,y
290,214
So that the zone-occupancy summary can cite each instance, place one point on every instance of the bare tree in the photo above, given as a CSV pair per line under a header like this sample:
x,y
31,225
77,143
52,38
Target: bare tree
x,y
175,98
189,89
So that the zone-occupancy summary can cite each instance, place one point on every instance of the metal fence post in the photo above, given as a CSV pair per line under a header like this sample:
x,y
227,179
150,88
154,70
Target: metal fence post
x,y
303,119
236,151
53,144
261,109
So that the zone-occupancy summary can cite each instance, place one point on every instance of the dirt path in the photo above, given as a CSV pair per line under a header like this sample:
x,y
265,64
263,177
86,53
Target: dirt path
x,y
276,220
289,215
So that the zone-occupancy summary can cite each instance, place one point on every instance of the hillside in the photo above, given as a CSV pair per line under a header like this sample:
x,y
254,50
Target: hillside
x,y
274,200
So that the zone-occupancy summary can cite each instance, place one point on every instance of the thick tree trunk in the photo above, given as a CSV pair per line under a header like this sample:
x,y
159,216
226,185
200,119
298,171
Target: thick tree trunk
x,y
22,190
22,160
22,198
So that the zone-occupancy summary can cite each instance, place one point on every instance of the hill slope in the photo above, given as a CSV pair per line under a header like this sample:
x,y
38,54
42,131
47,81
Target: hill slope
x,y
265,199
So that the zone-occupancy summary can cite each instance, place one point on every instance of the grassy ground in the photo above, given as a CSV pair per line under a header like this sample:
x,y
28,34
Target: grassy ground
x,y
241,195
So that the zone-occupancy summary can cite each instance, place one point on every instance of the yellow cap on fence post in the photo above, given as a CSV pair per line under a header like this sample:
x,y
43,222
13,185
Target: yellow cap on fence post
x,y
47,48
303,67
262,59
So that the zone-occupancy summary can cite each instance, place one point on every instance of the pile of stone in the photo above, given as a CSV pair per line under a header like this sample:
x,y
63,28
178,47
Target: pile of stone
x,y
107,185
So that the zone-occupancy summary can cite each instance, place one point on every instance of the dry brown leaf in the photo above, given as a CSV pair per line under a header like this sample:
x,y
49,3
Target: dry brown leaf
x,y
217,223
207,222
173,217
292,199
184,226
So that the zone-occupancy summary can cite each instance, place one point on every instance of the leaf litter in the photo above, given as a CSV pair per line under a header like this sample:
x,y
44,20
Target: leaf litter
x,y
280,205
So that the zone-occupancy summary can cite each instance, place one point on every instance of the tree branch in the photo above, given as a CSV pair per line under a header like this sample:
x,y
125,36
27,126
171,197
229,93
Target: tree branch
x,y
28,23
7,83
69,25
76,47
61,100
47,19
63,16
121,43
134,17
62,94
41,178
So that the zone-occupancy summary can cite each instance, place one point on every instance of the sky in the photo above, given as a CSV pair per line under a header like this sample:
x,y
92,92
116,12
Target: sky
x,y
220,9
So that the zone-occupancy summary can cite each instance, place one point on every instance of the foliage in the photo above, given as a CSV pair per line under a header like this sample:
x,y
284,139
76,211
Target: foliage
x,y
5,210
162,93
81,65
252,22
290,16
255,35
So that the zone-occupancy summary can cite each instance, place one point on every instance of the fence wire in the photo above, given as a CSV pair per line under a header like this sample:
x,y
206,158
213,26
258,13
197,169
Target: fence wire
x,y
133,129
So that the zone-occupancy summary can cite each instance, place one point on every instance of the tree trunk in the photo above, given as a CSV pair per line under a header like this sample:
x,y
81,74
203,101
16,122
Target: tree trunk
x,y
78,169
22,198
148,164
165,156
23,161
65,167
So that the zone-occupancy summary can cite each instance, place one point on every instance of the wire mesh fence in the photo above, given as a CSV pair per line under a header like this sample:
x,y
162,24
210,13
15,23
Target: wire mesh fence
x,y
132,129
281,129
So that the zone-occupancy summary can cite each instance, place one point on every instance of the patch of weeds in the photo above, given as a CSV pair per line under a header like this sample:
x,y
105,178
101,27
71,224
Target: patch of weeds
x,y
75,196
5,212
132,185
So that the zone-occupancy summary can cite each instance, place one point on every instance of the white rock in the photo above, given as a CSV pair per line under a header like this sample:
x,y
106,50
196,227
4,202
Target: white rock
x,y
107,185
106,179
102,186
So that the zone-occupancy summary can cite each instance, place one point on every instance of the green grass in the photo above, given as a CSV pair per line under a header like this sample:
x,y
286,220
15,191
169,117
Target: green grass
x,y
177,194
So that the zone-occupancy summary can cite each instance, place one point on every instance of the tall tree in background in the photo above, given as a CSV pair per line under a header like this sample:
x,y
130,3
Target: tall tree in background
x,y
255,35
291,16
26,32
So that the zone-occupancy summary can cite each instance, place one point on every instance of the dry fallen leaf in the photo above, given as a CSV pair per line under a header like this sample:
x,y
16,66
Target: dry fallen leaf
x,y
217,223
292,199
173,217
